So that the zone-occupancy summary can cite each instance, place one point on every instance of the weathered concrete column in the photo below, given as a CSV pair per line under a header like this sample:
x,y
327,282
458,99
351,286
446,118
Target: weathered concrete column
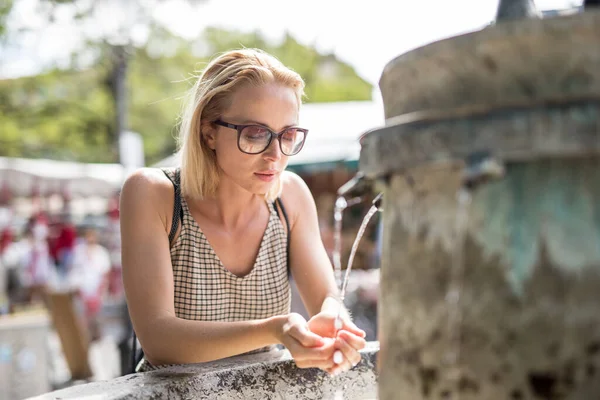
x,y
498,298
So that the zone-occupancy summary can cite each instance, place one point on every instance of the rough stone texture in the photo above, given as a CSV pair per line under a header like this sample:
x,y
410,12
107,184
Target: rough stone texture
x,y
517,61
527,268
498,298
271,375
555,129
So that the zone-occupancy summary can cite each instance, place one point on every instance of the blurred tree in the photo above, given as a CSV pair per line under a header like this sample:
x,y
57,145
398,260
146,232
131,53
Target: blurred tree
x,y
5,9
59,114
116,23
70,114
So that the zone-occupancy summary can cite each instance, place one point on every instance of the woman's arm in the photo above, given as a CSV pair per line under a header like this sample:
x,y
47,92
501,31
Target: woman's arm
x,y
149,288
314,275
310,265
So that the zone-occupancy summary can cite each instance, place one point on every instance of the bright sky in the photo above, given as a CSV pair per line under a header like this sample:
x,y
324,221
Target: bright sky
x,y
366,34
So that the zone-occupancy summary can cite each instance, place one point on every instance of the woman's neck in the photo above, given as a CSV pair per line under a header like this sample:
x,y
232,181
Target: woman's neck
x,y
232,207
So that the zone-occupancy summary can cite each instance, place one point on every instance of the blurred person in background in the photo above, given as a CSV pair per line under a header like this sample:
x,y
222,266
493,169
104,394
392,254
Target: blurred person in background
x,y
12,255
4,302
35,263
113,244
90,266
6,239
65,245
28,262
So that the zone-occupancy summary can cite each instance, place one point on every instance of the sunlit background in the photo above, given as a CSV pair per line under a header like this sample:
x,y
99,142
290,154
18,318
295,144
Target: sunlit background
x,y
91,90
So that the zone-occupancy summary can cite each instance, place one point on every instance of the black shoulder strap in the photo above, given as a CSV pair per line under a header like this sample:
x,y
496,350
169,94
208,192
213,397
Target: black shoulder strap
x,y
177,209
279,203
136,356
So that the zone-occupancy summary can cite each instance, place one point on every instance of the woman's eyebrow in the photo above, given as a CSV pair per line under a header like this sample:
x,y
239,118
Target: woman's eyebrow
x,y
251,121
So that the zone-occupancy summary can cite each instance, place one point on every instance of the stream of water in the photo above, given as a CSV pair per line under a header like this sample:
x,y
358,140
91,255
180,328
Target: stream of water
x,y
340,205
457,272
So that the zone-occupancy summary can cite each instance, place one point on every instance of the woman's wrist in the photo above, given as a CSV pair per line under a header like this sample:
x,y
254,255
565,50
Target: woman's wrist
x,y
331,304
274,326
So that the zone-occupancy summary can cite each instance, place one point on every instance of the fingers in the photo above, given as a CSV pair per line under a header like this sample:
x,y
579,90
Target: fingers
x,y
305,337
323,324
350,327
322,364
315,357
296,328
350,357
356,342
313,350
348,344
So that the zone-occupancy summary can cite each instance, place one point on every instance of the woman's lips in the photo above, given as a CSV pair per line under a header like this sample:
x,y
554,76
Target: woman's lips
x,y
266,176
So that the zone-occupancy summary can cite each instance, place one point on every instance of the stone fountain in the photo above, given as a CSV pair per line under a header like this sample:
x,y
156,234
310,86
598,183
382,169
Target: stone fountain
x,y
503,302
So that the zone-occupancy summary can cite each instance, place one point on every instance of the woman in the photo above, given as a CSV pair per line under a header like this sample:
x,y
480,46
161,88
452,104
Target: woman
x,y
204,247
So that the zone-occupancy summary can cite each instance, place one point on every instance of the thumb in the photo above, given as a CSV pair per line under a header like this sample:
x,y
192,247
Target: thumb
x,y
306,337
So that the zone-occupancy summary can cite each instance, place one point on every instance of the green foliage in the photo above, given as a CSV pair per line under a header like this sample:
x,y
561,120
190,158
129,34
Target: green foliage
x,y
5,8
69,114
57,115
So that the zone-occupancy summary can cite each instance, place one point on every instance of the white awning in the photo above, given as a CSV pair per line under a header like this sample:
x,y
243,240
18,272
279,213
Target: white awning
x,y
50,176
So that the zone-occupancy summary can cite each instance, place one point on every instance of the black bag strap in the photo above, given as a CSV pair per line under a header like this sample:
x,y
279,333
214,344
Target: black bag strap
x,y
136,356
279,205
177,209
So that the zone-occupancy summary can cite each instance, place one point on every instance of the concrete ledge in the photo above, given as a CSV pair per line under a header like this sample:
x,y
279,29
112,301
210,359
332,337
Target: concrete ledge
x,y
271,375
556,128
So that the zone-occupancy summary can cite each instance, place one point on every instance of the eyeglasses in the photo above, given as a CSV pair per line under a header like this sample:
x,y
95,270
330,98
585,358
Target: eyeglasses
x,y
254,139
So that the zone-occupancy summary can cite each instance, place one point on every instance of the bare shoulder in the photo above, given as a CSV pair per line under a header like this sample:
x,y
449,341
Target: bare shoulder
x,y
147,189
147,181
294,187
295,194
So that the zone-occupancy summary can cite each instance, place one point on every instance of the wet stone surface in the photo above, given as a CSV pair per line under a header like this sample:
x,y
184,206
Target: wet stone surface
x,y
527,322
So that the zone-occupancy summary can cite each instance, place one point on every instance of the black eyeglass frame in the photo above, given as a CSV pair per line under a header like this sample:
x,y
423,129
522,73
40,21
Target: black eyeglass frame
x,y
272,134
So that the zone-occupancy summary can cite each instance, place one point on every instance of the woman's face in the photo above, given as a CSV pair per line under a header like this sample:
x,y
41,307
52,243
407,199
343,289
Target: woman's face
x,y
273,106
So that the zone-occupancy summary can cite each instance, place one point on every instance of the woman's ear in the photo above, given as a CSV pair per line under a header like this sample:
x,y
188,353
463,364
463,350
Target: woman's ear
x,y
209,135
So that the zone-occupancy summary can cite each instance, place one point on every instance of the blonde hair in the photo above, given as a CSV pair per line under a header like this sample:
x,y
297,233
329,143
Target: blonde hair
x,y
209,98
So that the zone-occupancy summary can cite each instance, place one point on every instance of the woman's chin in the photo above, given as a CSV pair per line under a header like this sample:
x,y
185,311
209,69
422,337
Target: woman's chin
x,y
263,189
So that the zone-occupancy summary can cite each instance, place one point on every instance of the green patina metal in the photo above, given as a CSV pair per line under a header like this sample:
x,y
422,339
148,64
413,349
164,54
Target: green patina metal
x,y
323,167
549,203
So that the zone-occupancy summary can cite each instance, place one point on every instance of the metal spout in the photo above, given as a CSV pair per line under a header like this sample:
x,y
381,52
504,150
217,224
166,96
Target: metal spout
x,y
480,168
377,201
358,186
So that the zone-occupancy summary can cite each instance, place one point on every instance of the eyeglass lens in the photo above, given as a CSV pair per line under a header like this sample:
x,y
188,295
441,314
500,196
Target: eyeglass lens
x,y
255,139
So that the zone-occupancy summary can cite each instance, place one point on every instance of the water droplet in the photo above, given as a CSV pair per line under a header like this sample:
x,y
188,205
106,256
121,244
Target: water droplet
x,y
341,202
338,357
338,324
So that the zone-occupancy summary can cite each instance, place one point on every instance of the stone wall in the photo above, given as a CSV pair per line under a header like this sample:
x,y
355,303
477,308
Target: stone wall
x,y
271,375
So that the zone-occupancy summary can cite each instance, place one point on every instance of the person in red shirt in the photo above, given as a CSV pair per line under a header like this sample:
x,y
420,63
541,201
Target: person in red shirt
x,y
65,243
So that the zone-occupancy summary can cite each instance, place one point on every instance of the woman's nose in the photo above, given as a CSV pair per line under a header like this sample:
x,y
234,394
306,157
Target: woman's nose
x,y
273,152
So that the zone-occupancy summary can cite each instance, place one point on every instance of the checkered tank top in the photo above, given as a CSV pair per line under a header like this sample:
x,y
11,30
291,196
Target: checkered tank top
x,y
206,291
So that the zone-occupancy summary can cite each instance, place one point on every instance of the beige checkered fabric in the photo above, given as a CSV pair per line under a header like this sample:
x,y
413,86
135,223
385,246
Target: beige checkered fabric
x,y
206,291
